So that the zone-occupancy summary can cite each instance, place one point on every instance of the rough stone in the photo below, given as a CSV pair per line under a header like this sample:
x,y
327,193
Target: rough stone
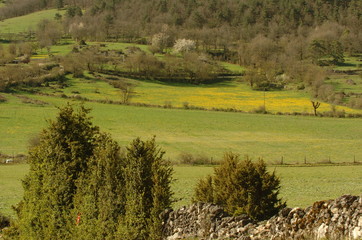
x,y
333,219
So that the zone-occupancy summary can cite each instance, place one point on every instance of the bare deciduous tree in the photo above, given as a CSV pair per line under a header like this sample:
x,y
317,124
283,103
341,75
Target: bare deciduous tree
x,y
315,106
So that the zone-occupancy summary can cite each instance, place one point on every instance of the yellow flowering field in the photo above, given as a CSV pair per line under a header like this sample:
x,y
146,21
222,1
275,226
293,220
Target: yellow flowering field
x,y
228,95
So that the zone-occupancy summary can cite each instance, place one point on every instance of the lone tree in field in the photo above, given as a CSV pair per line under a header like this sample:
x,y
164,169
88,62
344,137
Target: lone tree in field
x,y
242,187
79,187
315,105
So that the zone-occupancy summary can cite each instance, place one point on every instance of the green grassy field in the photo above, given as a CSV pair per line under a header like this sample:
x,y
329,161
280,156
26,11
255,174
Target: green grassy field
x,y
205,133
340,83
301,186
11,190
66,46
345,81
350,63
27,22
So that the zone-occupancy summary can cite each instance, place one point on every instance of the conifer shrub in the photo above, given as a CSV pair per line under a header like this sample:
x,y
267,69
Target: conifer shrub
x,y
79,186
148,180
242,187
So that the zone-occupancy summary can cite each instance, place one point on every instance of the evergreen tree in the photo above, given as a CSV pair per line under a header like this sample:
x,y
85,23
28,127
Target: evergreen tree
x,y
55,165
79,187
73,164
99,201
242,187
148,190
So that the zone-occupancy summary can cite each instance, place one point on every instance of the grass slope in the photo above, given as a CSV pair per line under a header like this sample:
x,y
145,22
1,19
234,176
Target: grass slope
x,y
198,132
65,46
11,190
27,22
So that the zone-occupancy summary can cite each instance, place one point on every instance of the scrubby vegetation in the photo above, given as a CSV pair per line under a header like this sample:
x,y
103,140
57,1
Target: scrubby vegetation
x,y
242,187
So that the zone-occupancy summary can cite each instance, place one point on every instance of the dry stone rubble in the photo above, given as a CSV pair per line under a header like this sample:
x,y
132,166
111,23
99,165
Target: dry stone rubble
x,y
332,219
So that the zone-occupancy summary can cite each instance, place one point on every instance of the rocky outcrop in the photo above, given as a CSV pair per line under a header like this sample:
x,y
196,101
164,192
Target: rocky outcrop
x,y
333,219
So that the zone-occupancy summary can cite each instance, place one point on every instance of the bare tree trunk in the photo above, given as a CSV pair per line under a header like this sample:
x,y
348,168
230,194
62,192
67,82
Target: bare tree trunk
x,y
315,107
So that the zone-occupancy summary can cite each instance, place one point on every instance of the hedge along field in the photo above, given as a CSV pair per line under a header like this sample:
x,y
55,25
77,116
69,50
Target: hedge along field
x,y
204,133
301,186
27,22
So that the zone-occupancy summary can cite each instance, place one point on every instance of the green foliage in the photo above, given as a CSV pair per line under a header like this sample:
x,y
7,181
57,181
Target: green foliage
x,y
79,187
56,165
204,190
148,190
73,11
99,201
320,49
4,221
242,187
74,169
264,79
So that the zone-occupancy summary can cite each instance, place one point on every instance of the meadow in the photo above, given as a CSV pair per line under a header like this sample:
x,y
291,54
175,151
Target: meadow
x,y
300,186
207,134
65,46
27,22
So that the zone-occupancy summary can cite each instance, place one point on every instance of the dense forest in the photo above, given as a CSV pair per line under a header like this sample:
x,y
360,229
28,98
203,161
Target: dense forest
x,y
210,22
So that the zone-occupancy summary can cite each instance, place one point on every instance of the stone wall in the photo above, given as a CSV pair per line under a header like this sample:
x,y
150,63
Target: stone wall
x,y
333,219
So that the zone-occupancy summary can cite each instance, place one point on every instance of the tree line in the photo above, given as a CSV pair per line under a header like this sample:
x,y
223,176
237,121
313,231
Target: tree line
x,y
209,22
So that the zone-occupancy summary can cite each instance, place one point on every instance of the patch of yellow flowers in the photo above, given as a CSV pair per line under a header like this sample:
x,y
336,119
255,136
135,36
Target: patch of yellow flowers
x,y
237,96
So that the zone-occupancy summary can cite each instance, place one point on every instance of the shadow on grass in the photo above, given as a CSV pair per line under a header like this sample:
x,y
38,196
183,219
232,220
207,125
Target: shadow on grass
x,y
346,64
215,83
